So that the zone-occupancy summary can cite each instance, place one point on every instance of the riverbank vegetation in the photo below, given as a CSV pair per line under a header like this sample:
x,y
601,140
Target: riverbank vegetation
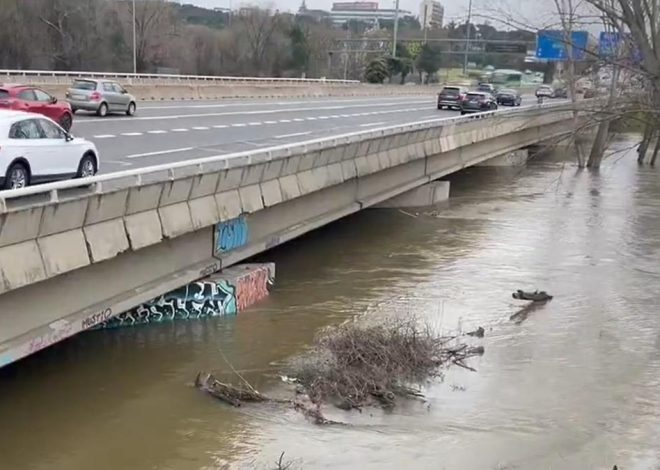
x,y
356,365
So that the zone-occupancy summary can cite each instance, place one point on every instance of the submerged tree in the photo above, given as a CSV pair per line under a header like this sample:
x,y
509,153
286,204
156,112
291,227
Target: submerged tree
x,y
637,22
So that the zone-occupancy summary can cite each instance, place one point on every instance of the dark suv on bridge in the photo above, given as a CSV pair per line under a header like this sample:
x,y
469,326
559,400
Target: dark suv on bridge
x,y
451,97
478,101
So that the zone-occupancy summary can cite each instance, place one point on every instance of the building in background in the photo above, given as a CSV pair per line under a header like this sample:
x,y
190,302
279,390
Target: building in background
x,y
431,14
366,12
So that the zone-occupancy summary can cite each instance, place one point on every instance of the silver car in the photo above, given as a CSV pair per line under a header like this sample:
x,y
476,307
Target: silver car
x,y
101,97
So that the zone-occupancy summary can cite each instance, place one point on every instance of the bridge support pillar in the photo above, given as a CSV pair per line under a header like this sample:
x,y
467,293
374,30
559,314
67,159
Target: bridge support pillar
x,y
427,195
515,158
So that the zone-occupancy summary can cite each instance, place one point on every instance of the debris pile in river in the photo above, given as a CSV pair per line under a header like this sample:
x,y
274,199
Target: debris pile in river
x,y
355,365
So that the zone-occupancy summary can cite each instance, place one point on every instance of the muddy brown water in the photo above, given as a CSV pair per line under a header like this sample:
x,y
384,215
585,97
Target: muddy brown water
x,y
575,386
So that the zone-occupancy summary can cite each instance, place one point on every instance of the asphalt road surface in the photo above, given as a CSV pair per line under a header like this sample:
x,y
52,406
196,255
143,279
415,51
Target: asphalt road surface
x,y
171,131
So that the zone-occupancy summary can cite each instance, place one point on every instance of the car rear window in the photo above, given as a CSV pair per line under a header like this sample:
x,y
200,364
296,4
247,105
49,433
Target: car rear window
x,y
84,85
475,96
508,92
4,94
451,91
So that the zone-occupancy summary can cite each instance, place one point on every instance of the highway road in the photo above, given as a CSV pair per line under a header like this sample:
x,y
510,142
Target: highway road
x,y
171,131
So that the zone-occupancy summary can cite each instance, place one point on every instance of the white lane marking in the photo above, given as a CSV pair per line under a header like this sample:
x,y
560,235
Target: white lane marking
x,y
270,122
335,116
254,124
156,132
238,113
344,115
240,124
180,129
369,124
160,152
274,103
117,162
131,134
298,120
292,135
104,136
311,119
285,120
324,117
201,128
220,126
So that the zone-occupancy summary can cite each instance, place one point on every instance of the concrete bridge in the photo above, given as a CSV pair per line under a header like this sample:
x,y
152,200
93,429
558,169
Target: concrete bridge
x,y
75,253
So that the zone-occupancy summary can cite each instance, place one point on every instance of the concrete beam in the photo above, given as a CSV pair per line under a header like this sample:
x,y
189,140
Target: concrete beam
x,y
106,240
63,252
143,229
426,195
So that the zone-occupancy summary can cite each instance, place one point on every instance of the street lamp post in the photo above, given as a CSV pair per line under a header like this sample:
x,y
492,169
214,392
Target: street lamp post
x,y
467,38
396,27
134,42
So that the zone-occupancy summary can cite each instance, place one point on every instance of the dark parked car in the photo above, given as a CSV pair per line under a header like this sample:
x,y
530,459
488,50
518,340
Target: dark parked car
x,y
487,88
478,101
451,97
509,97
561,93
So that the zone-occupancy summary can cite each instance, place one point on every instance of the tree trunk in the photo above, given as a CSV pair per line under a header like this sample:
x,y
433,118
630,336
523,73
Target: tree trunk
x,y
598,148
656,150
644,145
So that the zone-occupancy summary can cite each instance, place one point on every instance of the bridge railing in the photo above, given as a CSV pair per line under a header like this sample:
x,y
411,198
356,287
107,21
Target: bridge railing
x,y
74,188
137,78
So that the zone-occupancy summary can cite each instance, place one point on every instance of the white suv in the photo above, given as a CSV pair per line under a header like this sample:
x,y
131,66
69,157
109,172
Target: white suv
x,y
34,149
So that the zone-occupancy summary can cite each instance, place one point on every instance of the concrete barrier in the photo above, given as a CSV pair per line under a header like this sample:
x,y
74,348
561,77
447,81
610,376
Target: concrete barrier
x,y
125,238
218,92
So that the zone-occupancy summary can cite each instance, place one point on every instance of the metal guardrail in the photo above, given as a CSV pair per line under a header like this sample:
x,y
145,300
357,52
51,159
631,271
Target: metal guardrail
x,y
172,77
50,192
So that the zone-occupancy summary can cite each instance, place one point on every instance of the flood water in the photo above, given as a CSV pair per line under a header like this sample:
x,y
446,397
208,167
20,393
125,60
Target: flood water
x,y
574,386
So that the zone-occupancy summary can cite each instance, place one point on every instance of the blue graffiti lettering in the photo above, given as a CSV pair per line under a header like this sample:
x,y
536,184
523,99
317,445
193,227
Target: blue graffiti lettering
x,y
231,234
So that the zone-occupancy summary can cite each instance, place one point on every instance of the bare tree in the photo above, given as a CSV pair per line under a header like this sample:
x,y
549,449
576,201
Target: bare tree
x,y
154,23
640,21
257,26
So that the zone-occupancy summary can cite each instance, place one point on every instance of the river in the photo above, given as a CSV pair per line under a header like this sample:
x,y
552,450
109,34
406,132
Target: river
x,y
574,386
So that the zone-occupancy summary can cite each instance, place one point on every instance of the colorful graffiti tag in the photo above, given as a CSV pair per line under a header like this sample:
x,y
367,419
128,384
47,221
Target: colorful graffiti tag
x,y
196,300
253,287
239,287
231,234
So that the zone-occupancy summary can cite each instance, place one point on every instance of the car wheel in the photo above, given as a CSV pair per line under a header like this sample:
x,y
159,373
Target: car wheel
x,y
18,176
66,122
103,110
87,166
463,113
74,110
131,109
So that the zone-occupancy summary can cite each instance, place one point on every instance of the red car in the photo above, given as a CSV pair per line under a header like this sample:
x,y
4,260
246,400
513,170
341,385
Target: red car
x,y
34,100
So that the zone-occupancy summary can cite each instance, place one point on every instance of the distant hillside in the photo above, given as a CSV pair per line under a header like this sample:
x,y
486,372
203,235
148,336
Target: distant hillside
x,y
192,14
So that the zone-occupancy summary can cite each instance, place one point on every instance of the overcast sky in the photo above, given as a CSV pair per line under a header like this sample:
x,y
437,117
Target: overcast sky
x,y
454,9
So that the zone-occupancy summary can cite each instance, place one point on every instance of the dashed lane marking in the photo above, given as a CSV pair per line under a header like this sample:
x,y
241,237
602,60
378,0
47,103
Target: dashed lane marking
x,y
131,134
160,152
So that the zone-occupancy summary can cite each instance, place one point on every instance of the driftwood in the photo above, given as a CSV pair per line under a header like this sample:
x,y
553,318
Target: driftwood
x,y
536,296
356,365
536,300
228,393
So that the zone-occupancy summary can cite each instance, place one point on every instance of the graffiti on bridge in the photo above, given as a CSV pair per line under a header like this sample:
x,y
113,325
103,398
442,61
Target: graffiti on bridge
x,y
230,235
253,287
196,300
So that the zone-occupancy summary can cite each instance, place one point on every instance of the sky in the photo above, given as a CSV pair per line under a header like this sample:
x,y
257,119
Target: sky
x,y
455,10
